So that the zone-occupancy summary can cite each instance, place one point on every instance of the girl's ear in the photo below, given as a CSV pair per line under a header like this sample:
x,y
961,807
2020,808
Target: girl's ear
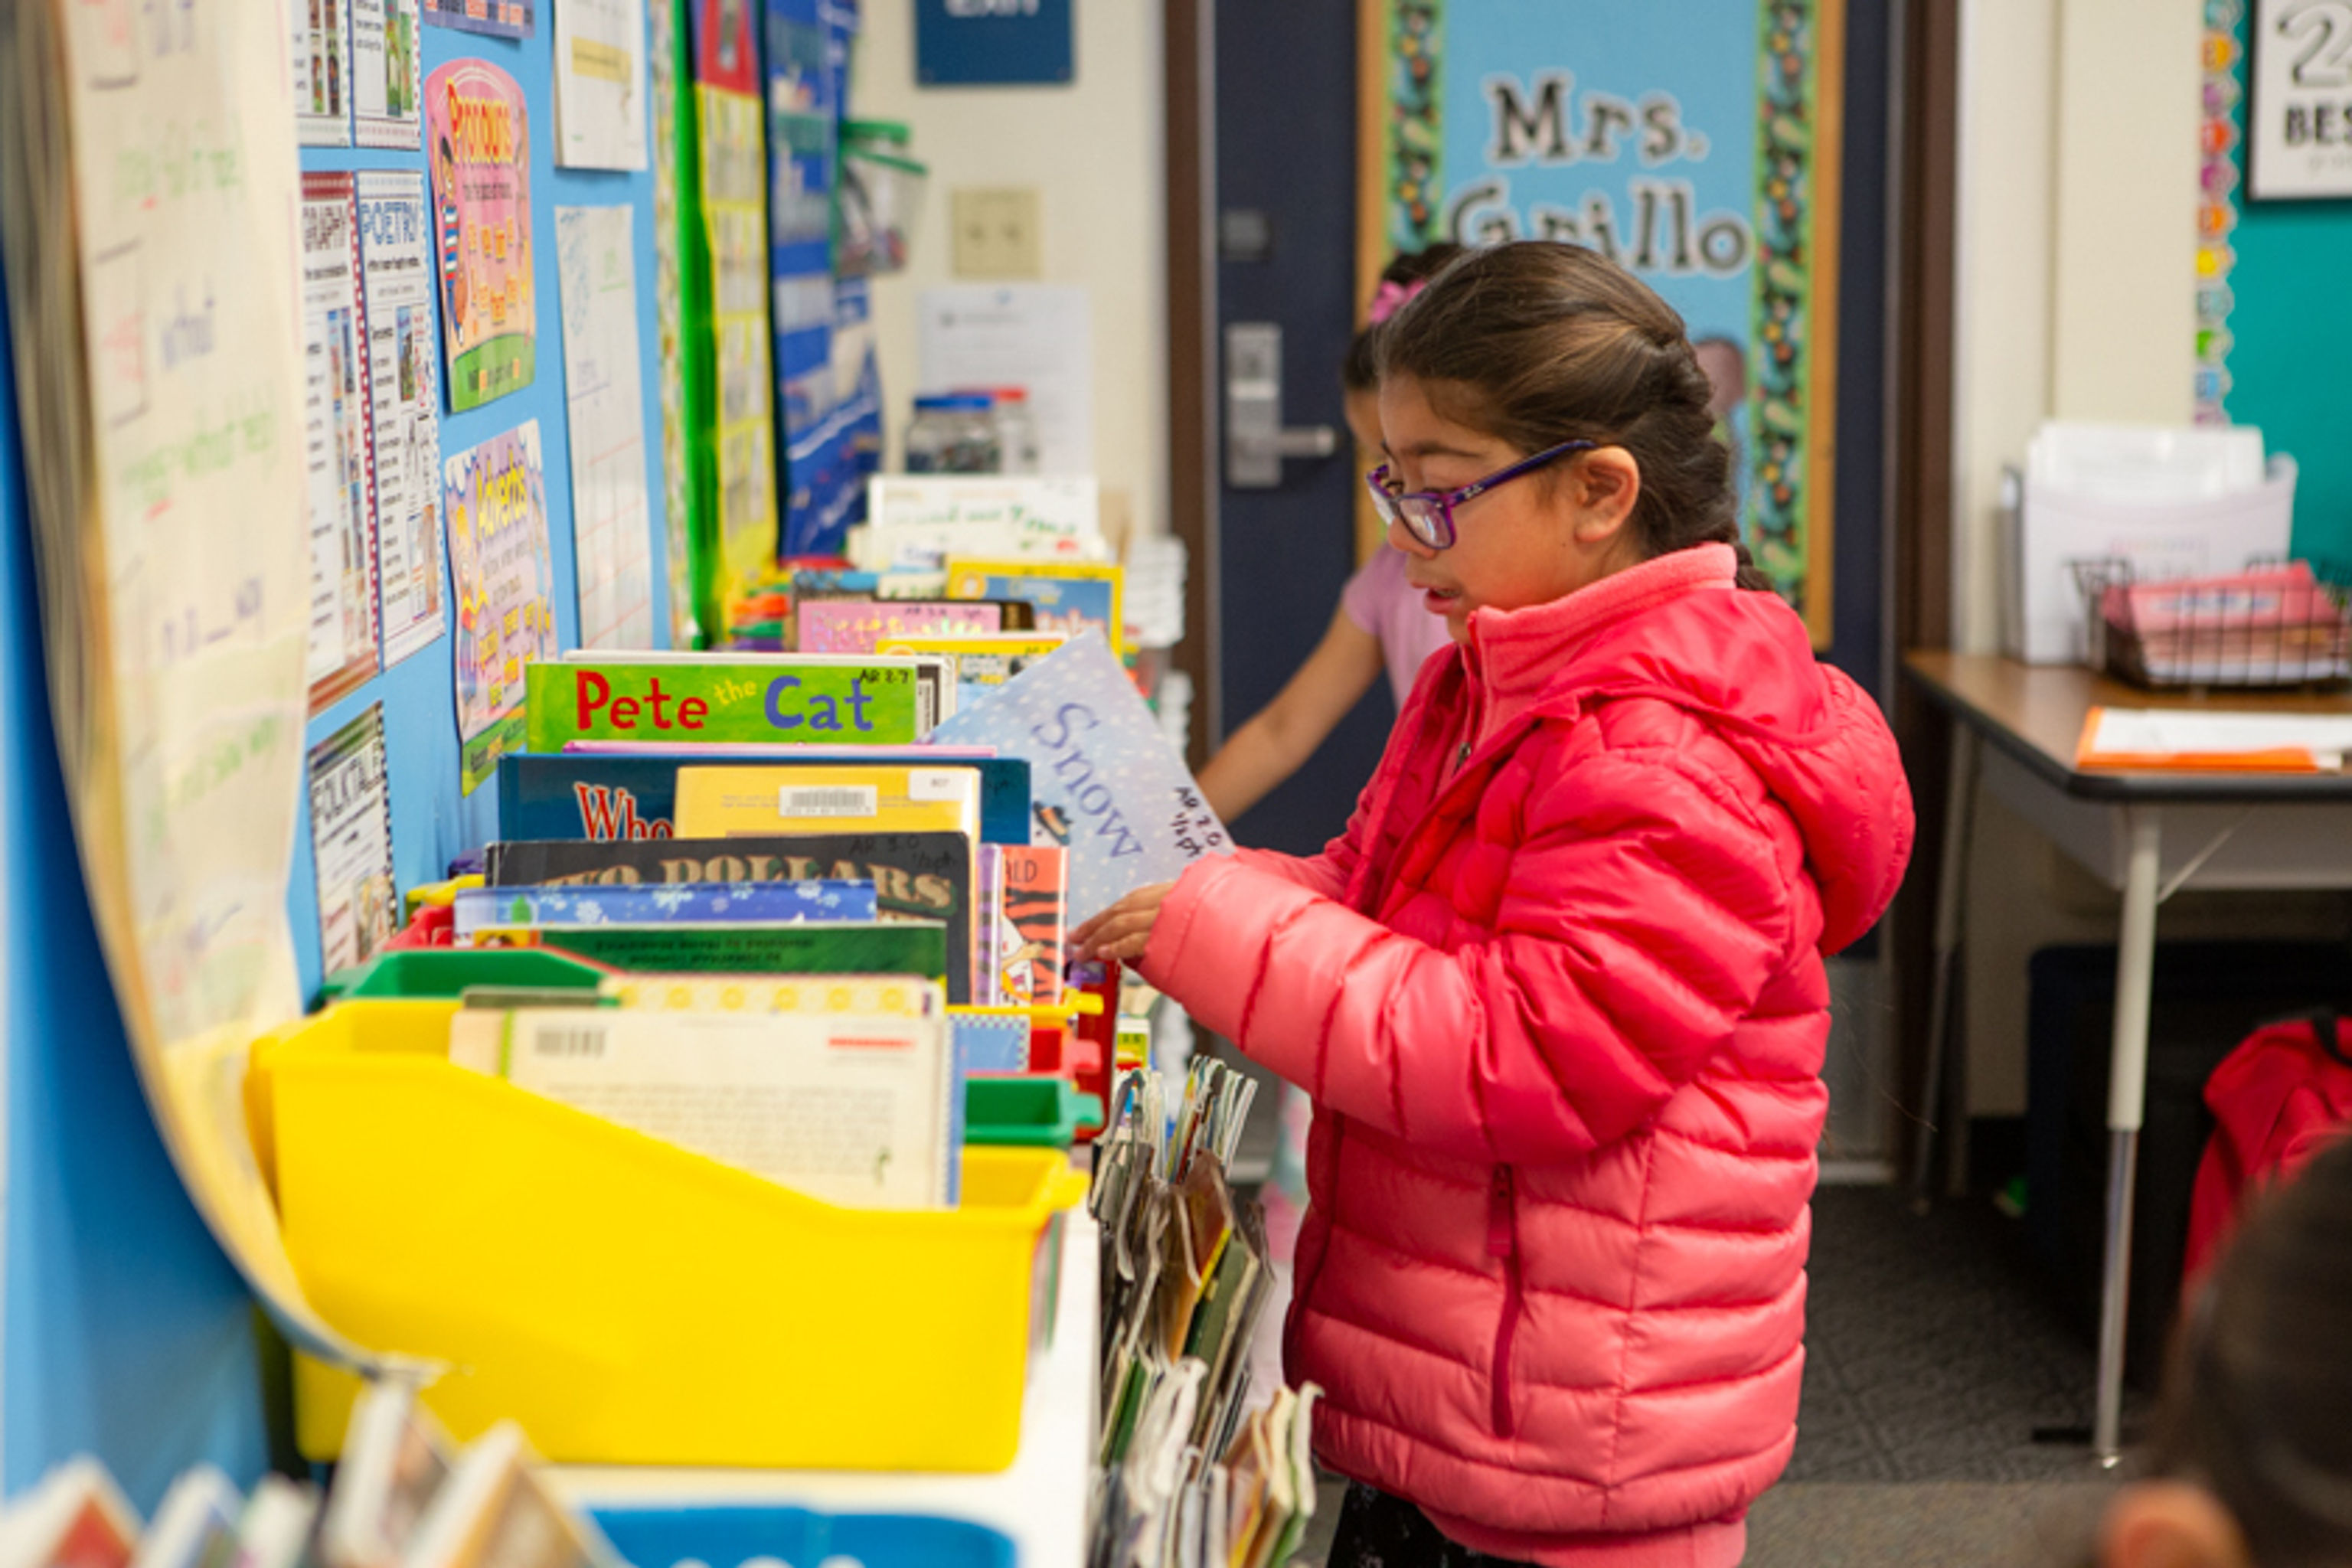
x,y
2170,1524
1603,484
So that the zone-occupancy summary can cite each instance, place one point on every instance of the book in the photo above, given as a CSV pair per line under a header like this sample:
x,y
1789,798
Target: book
x,y
395,1460
1104,780
496,1511
604,796
916,876
1029,886
718,699
849,1109
771,803
761,903
920,519
917,948
195,1525
862,626
75,1518
2190,740
1070,596
274,1532
877,995
978,663
992,1040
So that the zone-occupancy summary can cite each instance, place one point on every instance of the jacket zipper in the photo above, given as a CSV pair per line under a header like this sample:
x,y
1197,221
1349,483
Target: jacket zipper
x,y
1503,1242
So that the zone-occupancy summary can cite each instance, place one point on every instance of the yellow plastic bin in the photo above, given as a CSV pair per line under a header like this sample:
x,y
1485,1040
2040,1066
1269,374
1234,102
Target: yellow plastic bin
x,y
626,1301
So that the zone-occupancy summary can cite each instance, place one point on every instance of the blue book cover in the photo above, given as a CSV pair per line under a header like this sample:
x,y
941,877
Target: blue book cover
x,y
1105,780
603,799
753,903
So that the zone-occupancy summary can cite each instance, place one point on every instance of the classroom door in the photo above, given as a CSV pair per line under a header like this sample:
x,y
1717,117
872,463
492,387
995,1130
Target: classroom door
x,y
1283,225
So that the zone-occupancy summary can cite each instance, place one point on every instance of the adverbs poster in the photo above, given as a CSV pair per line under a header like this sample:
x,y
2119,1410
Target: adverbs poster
x,y
387,81
396,258
478,144
335,443
600,84
499,18
605,390
322,74
1702,156
350,842
495,495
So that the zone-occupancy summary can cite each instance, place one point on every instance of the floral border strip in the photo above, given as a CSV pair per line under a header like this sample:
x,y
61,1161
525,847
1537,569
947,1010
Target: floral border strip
x,y
2216,205
1415,133
1780,404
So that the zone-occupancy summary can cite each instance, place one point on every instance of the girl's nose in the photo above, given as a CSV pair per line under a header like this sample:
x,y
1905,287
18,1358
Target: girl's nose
x,y
1402,538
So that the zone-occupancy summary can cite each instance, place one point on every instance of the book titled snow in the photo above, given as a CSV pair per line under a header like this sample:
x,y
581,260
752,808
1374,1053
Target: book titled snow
x,y
761,903
1104,782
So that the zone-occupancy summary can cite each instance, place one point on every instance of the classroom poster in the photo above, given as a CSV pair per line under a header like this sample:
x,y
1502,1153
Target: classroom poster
x,y
733,180
387,81
396,260
478,144
1702,156
335,443
504,578
605,390
322,73
499,18
350,842
175,553
669,321
600,84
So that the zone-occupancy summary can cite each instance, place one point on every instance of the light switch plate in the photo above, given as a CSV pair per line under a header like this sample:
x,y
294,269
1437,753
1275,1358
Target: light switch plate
x,y
996,233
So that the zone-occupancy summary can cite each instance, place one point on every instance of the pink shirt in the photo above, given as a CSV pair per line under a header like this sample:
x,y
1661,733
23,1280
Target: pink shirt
x,y
1380,601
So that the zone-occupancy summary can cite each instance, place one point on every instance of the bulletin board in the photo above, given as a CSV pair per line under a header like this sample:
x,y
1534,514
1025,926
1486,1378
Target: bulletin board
x,y
1703,153
433,820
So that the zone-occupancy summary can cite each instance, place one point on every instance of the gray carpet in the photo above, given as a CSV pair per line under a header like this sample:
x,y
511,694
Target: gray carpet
x,y
1932,1352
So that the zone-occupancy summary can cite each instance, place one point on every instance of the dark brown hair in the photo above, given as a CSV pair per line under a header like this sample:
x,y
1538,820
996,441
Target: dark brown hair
x,y
1361,373
2258,1399
1539,343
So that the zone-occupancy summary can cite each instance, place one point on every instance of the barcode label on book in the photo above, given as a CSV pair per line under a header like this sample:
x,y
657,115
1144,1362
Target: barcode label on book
x,y
572,1042
830,800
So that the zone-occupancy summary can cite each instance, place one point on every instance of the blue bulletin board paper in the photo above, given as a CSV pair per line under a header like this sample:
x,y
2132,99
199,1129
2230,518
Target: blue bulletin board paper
x,y
992,43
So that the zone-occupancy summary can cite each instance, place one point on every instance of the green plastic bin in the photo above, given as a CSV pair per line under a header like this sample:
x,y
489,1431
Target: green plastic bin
x,y
1040,1112
444,974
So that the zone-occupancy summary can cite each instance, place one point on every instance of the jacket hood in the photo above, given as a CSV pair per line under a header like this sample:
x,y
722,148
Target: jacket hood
x,y
1675,630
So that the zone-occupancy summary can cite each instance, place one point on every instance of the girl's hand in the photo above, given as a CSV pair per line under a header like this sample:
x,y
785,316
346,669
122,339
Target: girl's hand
x,y
1123,931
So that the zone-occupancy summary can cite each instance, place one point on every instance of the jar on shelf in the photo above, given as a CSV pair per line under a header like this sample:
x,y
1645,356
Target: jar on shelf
x,y
1016,428
954,433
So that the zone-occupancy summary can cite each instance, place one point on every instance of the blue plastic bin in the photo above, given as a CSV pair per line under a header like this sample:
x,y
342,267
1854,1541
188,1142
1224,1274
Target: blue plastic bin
x,y
731,1537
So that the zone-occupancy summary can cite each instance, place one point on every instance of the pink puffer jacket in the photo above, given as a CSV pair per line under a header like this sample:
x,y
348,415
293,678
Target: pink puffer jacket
x,y
1557,994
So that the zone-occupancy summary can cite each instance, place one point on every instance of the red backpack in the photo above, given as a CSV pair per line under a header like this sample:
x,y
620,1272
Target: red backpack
x,y
2284,1094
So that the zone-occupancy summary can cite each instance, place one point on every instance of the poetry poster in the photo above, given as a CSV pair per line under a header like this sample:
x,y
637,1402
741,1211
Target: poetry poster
x,y
495,495
335,444
396,261
478,143
350,842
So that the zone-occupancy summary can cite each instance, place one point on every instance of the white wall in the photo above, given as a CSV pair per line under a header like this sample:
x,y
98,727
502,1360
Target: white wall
x,y
1092,151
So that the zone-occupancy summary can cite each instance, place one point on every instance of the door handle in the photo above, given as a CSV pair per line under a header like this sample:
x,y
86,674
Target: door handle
x,y
1257,441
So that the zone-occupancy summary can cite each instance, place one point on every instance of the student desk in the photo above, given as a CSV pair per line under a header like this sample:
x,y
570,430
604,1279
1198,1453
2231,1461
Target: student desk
x,y
1040,1503
2148,835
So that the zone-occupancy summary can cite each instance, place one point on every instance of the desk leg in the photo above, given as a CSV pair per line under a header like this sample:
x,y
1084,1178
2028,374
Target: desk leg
x,y
2126,1108
1951,907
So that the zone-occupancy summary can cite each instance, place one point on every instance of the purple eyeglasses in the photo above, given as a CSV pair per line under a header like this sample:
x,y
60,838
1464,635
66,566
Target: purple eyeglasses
x,y
1428,515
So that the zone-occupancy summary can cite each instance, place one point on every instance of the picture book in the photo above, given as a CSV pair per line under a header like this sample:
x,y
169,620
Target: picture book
x,y
768,802
497,1511
1106,782
761,903
274,1532
921,519
1031,884
849,1109
608,796
979,664
874,996
789,698
919,948
916,876
395,1459
75,1518
992,1040
862,626
195,1524
1070,596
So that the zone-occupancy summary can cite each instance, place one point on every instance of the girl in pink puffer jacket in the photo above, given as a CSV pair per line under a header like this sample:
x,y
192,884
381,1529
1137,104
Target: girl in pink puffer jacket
x,y
1558,991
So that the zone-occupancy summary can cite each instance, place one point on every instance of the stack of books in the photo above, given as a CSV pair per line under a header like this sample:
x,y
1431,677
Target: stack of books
x,y
402,1497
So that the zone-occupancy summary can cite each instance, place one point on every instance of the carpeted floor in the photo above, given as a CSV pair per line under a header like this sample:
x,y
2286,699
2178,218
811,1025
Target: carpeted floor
x,y
1933,1354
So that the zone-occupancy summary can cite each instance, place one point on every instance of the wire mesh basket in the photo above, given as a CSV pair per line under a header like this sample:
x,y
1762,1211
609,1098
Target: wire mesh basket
x,y
2272,625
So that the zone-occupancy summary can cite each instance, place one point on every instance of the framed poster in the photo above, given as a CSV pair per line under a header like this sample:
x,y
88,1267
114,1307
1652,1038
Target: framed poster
x,y
1702,156
478,144
2299,123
